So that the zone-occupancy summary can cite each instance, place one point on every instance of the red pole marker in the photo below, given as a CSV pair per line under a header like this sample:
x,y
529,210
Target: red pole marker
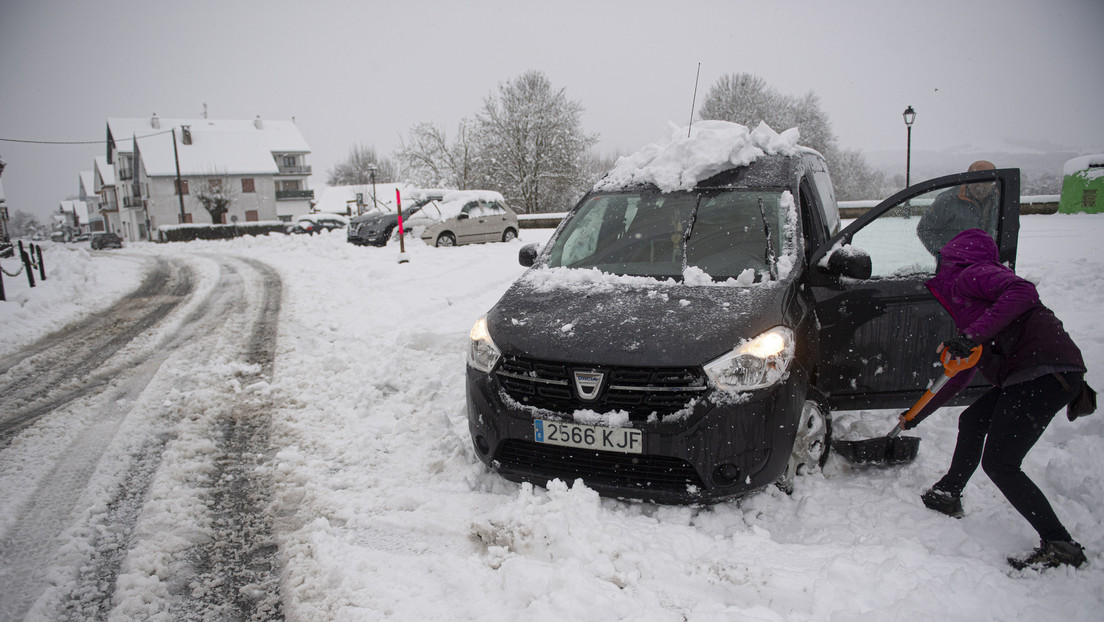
x,y
402,244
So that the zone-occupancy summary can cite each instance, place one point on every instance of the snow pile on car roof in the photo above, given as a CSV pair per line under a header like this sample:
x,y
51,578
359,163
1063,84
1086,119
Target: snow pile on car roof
x,y
683,161
454,201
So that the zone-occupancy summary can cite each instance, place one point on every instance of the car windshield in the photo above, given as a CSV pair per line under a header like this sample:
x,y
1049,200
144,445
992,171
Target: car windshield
x,y
647,233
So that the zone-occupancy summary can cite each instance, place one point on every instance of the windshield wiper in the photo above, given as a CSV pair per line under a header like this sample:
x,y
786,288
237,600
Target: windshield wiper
x,y
770,241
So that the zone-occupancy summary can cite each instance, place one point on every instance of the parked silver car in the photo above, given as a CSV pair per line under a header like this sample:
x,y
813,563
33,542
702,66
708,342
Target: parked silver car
x,y
467,217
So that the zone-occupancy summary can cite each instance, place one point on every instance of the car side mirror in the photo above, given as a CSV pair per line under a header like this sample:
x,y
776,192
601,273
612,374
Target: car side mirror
x,y
850,262
463,217
527,256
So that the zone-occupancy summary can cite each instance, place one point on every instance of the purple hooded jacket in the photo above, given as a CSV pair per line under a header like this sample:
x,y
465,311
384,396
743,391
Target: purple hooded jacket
x,y
1021,338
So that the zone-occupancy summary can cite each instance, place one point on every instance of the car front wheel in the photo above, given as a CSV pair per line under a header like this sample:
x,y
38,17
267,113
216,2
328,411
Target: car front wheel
x,y
810,449
508,235
446,239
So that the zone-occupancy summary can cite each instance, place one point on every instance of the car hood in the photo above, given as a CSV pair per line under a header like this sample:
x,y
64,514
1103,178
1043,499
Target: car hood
x,y
631,321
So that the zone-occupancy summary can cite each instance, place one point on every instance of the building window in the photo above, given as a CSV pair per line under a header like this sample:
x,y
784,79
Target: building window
x,y
289,160
290,184
251,215
247,184
187,217
180,186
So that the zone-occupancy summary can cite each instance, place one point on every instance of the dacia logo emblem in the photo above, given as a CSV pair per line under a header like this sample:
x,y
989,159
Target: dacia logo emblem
x,y
588,383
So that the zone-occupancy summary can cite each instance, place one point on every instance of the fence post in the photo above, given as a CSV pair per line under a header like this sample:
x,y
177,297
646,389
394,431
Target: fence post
x,y
26,264
41,266
2,297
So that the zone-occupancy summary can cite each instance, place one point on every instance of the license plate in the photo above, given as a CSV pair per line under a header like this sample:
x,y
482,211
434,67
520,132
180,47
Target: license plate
x,y
624,440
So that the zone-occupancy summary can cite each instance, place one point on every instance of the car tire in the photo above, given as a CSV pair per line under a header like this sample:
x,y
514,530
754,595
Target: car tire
x,y
508,235
811,443
445,239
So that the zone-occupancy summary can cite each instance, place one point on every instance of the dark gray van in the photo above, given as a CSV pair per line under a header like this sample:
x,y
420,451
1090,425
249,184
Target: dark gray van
x,y
689,346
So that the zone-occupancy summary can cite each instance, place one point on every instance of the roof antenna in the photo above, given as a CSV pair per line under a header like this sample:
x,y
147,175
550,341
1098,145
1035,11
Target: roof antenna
x,y
693,102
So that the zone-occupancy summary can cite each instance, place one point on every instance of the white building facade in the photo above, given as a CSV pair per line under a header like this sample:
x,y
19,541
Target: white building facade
x,y
170,163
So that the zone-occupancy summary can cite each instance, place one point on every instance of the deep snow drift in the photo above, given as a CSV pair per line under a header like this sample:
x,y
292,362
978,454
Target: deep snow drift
x,y
383,511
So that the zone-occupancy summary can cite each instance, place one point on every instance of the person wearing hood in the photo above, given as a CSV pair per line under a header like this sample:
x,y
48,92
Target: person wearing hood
x,y
1035,369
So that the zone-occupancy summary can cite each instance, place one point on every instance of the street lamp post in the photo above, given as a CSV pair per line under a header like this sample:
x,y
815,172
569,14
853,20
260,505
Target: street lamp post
x,y
910,115
372,173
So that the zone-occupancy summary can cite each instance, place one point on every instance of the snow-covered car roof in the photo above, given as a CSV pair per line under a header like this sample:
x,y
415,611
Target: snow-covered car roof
x,y
688,157
455,200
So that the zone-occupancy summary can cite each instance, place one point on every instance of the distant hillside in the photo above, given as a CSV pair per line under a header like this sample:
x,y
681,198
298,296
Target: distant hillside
x,y
1041,169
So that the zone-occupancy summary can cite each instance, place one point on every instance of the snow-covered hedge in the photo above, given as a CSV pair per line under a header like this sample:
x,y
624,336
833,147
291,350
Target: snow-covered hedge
x,y
185,233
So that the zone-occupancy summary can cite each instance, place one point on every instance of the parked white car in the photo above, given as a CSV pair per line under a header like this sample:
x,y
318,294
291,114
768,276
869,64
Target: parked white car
x,y
467,217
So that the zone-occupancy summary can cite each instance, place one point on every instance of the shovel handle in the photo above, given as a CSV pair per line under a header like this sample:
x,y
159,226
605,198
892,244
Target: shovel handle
x,y
951,366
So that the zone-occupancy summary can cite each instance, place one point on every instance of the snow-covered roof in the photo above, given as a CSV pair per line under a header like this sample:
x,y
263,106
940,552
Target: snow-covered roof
x,y
105,170
277,136
218,151
1083,163
78,208
232,147
686,158
87,182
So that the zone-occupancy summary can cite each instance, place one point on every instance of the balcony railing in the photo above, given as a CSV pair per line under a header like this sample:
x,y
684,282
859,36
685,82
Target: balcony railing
x,y
287,195
295,170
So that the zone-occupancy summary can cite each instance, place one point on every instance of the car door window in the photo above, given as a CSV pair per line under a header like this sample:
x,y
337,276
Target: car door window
x,y
906,239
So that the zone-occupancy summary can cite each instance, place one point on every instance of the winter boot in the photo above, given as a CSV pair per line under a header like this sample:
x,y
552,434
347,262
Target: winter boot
x,y
943,502
1050,554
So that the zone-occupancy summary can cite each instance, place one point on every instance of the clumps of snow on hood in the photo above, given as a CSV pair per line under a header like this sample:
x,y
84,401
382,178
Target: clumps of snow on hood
x,y
585,279
712,147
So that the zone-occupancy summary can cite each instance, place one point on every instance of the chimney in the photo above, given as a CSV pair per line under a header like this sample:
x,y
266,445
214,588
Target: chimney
x,y
155,122
186,134
257,123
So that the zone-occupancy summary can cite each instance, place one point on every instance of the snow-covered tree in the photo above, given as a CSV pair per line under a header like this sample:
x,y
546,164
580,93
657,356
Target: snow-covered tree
x,y
532,146
355,169
428,159
215,192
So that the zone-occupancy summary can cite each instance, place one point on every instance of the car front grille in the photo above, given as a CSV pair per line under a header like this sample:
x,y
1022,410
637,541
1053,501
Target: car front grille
x,y
639,473
641,391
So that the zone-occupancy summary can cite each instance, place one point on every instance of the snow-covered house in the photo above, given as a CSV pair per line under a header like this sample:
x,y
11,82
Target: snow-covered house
x,y
168,163
70,220
103,184
87,194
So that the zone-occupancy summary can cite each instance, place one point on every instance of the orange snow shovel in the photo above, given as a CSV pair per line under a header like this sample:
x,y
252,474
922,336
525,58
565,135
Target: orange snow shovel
x,y
894,449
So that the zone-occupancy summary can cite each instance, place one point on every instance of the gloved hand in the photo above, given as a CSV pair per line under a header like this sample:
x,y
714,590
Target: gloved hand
x,y
906,425
959,346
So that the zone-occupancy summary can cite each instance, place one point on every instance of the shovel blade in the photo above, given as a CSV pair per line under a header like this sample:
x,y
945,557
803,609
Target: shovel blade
x,y
882,450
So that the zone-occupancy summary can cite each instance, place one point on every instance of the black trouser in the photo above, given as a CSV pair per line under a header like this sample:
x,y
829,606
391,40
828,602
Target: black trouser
x,y
998,430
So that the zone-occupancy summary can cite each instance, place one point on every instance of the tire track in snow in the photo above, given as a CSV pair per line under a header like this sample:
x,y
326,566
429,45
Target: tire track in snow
x,y
78,360
242,567
237,576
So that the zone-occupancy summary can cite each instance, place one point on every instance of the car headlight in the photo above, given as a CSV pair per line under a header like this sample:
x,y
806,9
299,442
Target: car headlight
x,y
754,364
483,354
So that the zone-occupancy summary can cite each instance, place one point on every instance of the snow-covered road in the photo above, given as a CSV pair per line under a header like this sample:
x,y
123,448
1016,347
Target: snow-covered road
x,y
328,474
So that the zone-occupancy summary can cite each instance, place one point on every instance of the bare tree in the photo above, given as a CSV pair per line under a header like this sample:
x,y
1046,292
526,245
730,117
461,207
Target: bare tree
x,y
532,145
216,193
428,159
356,168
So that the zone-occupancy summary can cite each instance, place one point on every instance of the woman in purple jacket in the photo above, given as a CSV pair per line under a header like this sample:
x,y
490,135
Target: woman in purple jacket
x,y
1035,369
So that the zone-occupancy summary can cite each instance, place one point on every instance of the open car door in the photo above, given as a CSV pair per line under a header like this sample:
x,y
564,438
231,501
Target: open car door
x,y
879,331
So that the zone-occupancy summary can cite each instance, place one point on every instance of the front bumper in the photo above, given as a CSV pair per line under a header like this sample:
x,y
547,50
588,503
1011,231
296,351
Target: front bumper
x,y
715,449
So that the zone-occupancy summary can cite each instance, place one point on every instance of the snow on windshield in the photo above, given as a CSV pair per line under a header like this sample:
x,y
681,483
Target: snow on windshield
x,y
686,158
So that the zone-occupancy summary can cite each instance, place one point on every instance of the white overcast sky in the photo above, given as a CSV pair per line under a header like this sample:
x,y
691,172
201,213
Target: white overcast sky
x,y
986,73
